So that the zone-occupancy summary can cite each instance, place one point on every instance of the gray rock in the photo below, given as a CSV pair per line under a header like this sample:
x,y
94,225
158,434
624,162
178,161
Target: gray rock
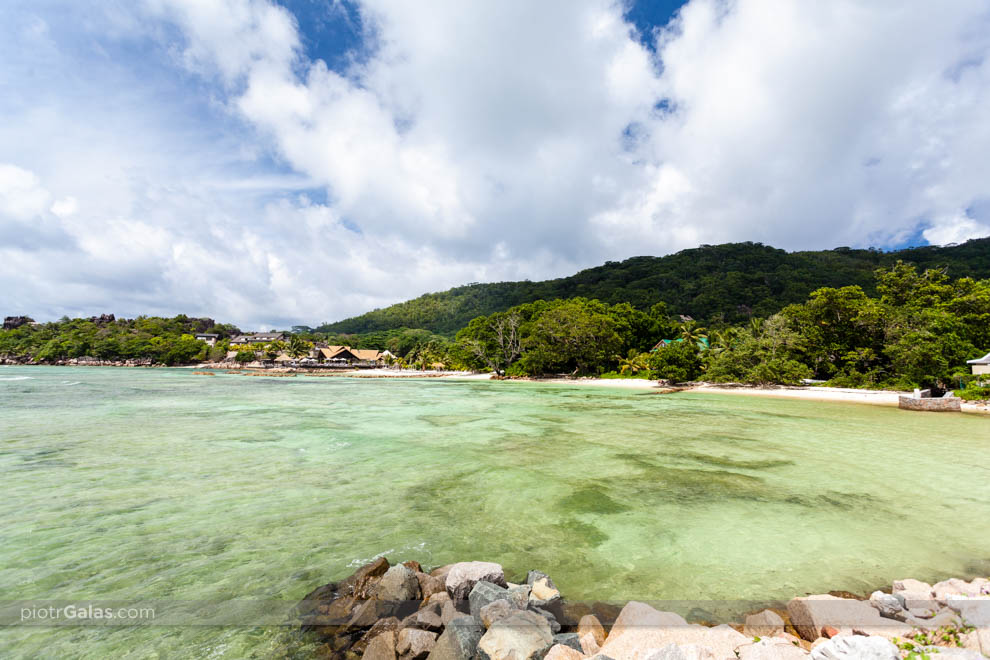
x,y
462,577
568,639
449,612
397,585
459,640
889,605
429,617
522,635
414,644
856,647
495,611
483,594
554,625
519,595
533,576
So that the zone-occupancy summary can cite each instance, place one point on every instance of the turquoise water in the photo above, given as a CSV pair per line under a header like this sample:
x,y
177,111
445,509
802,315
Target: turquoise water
x,y
159,484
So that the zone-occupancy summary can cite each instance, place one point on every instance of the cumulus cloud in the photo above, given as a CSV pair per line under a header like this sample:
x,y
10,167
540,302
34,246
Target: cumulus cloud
x,y
226,171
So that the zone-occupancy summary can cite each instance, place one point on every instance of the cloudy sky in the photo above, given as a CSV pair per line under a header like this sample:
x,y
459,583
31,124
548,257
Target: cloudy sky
x,y
272,163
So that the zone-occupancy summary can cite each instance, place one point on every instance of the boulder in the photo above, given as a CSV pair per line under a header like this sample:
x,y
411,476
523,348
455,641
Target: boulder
x,y
459,640
449,612
413,565
561,652
855,647
568,639
429,617
541,594
359,581
683,652
415,644
589,623
914,594
947,652
955,586
554,625
811,613
462,577
398,585
429,585
889,605
533,576
589,645
519,595
388,624
381,647
485,593
973,611
495,611
522,635
771,648
764,624
441,571
640,627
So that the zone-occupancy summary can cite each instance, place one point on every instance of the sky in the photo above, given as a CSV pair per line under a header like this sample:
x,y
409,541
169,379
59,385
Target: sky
x,y
278,163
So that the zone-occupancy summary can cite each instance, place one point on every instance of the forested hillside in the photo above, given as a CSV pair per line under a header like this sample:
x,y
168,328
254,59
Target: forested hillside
x,y
730,282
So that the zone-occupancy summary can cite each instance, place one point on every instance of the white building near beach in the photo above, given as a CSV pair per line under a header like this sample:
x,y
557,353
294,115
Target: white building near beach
x,y
980,366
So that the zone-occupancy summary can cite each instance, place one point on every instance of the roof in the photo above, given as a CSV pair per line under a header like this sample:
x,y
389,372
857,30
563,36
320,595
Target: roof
x,y
284,358
702,342
983,360
206,334
369,354
259,336
330,351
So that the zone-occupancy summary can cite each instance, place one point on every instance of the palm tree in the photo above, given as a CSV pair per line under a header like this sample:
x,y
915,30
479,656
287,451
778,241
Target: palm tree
x,y
693,333
634,363
298,347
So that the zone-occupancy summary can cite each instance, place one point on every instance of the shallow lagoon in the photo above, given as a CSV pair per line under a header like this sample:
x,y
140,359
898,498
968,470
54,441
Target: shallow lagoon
x,y
158,484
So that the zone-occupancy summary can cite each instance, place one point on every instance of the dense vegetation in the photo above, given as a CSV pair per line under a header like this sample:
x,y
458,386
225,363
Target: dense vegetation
x,y
918,330
160,340
714,284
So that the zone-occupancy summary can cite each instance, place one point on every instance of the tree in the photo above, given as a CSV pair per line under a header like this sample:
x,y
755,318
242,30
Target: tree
x,y
677,362
493,341
298,347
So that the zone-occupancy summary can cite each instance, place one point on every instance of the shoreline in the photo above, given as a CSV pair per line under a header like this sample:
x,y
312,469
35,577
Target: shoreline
x,y
887,398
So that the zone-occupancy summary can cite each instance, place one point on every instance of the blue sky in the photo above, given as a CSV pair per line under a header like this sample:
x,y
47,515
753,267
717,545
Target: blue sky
x,y
302,161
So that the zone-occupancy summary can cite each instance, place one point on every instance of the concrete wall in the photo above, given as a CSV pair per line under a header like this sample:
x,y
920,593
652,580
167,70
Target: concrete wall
x,y
931,405
981,368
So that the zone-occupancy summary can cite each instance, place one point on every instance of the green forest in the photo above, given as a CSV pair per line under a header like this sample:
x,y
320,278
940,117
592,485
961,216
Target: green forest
x,y
919,329
159,340
728,283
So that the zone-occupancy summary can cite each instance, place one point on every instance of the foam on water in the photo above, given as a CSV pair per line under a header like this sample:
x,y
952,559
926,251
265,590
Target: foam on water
x,y
159,484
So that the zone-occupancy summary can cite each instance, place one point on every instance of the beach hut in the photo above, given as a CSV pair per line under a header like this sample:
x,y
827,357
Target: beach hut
x,y
980,365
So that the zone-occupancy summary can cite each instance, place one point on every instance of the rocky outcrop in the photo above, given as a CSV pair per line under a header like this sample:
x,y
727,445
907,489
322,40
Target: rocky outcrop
x,y
383,612
13,322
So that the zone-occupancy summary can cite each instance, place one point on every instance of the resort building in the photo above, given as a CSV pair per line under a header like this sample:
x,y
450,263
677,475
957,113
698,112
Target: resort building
x,y
258,338
209,338
981,365
349,356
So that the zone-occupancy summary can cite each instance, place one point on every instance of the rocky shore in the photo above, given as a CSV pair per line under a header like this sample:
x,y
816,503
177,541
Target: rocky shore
x,y
470,611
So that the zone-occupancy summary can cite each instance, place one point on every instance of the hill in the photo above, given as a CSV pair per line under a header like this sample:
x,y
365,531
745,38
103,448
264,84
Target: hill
x,y
732,281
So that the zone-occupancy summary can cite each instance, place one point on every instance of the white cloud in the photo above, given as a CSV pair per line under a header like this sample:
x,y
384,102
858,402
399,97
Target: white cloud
x,y
474,142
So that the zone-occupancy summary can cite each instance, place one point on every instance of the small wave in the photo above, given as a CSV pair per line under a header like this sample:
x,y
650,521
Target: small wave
x,y
18,378
71,382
